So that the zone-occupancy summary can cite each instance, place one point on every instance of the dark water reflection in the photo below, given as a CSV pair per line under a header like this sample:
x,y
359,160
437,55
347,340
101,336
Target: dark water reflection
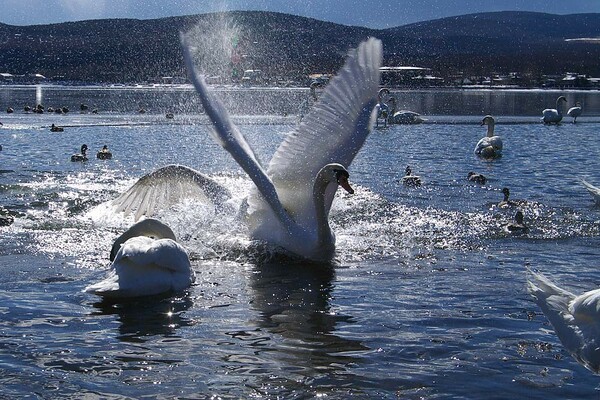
x,y
293,301
143,318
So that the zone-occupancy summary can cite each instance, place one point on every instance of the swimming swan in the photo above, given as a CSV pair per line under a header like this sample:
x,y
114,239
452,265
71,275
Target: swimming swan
x,y
576,319
381,107
575,112
554,115
146,260
489,146
290,204
594,191
403,117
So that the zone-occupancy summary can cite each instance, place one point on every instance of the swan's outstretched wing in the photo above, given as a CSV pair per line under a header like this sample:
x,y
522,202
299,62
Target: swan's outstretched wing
x,y
594,191
333,132
167,186
338,125
232,140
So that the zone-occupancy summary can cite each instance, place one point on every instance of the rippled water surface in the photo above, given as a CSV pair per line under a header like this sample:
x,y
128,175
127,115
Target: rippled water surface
x,y
427,297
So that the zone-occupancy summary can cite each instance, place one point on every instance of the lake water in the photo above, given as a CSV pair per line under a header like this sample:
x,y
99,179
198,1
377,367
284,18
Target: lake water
x,y
427,297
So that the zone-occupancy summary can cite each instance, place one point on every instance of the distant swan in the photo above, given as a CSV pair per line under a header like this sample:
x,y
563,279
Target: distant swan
x,y
489,146
382,108
80,156
554,115
290,204
594,191
146,260
403,117
575,112
576,319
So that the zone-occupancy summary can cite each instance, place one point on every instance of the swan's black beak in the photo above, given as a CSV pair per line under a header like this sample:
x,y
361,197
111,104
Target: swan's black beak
x,y
343,182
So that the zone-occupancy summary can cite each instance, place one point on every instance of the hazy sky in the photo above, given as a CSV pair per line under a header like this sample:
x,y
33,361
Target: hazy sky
x,y
370,13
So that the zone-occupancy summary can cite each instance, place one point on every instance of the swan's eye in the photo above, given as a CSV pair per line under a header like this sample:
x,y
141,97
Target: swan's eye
x,y
341,173
342,180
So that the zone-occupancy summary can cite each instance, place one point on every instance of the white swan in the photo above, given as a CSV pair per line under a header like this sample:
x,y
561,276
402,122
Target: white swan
x,y
554,115
575,112
307,104
290,204
403,117
490,146
594,191
382,108
576,319
146,260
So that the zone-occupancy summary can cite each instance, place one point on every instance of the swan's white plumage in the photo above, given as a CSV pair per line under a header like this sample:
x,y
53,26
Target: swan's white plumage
x,y
575,112
402,117
576,319
407,117
594,191
554,115
166,186
146,260
489,146
282,207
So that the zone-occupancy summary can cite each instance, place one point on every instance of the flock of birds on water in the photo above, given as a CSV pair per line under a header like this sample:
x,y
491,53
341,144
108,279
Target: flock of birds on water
x,y
290,202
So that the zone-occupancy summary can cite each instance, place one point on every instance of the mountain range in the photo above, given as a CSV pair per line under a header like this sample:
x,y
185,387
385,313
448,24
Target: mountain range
x,y
291,47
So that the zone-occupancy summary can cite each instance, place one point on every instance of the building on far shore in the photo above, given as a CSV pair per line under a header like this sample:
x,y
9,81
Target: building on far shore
x,y
6,77
405,76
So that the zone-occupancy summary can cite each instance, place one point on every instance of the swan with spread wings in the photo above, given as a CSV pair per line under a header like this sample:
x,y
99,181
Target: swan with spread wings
x,y
290,202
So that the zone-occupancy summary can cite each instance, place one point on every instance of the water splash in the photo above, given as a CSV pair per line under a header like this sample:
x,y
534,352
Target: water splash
x,y
214,43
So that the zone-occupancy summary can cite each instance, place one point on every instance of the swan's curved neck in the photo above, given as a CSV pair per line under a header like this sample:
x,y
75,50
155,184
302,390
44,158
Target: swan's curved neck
x,y
392,109
490,129
322,205
559,107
